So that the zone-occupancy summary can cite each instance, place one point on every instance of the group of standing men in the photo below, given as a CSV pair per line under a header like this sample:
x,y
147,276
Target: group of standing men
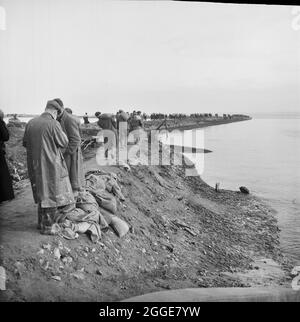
x,y
111,122
54,157
54,160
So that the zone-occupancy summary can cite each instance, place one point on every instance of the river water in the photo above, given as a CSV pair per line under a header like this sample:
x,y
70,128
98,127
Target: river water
x,y
263,155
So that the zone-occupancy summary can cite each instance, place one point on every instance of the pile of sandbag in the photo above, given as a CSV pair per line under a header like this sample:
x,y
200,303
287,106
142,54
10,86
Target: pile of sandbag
x,y
85,218
95,209
105,189
98,180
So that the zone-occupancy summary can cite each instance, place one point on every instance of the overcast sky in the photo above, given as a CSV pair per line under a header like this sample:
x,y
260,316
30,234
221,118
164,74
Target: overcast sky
x,y
159,56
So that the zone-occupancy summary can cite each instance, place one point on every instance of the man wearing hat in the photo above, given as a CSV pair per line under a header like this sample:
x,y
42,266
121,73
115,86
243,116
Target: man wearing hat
x,y
72,154
44,140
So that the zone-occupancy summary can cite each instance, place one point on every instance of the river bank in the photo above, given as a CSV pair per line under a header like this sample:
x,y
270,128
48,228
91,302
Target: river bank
x,y
271,174
192,123
183,234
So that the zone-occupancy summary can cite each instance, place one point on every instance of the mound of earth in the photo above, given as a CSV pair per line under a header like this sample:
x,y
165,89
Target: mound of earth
x,y
182,234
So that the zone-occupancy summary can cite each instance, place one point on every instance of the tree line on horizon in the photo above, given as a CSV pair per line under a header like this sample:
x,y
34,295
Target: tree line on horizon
x,y
180,116
161,116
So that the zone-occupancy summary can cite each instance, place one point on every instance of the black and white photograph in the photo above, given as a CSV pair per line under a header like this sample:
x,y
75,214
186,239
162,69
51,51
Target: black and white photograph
x,y
149,153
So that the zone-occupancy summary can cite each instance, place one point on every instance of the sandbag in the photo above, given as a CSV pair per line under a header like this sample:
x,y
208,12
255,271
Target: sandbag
x,y
94,216
62,212
81,227
113,187
119,226
94,233
107,215
106,201
98,181
76,215
102,222
86,201
93,182
71,230
92,229
69,234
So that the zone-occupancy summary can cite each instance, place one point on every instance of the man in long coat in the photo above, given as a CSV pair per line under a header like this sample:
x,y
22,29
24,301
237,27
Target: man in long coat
x,y
72,154
6,188
122,126
121,117
107,121
44,140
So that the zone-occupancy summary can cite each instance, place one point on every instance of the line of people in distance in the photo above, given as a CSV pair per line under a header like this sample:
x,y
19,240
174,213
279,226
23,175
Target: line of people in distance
x,y
111,122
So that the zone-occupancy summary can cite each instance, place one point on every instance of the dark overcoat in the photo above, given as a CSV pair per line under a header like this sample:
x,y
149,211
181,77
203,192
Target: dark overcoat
x,y
6,188
44,140
72,154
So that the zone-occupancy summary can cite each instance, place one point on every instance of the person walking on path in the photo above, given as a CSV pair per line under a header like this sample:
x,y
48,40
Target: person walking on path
x,y
86,119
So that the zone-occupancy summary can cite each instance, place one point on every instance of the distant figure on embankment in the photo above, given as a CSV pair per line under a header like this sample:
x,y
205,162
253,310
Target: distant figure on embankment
x,y
86,119
14,121
107,121
14,118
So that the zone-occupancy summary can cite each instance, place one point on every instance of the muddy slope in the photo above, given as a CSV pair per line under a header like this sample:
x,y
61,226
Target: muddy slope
x,y
183,234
